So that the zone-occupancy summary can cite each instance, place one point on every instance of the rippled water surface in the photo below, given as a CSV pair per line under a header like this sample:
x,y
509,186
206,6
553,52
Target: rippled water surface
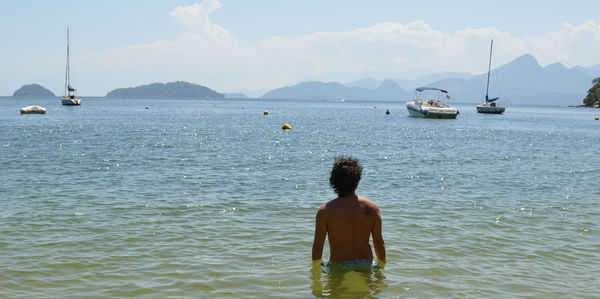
x,y
212,199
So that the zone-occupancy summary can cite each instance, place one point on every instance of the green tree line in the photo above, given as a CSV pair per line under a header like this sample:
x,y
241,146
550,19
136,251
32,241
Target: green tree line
x,y
594,93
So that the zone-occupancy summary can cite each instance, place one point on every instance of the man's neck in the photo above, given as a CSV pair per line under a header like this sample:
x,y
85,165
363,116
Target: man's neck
x,y
349,196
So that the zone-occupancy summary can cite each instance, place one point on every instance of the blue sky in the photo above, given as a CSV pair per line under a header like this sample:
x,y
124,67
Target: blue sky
x,y
253,46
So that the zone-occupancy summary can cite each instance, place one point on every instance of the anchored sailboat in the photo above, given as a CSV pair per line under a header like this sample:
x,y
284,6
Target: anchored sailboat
x,y
490,105
70,98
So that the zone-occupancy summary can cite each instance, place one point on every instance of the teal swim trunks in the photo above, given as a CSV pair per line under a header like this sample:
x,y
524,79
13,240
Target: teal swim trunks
x,y
357,263
361,265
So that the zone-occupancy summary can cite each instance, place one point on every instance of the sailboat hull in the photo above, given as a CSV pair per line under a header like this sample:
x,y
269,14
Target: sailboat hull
x,y
71,102
490,109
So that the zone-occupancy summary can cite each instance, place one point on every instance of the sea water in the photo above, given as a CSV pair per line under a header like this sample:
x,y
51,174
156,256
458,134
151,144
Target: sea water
x,y
212,199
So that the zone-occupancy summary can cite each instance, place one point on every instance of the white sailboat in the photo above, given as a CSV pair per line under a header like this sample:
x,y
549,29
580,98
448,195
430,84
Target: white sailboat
x,y
70,98
490,105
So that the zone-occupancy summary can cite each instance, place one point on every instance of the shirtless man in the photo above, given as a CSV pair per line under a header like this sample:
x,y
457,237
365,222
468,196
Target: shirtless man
x,y
348,220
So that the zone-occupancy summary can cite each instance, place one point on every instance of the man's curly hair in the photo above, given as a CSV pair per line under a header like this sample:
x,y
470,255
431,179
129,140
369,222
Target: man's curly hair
x,y
345,175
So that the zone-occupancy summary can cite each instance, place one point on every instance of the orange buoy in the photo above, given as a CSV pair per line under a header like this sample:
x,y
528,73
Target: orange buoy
x,y
286,126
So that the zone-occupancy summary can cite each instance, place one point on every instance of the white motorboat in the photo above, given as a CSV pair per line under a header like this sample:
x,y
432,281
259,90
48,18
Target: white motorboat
x,y
70,98
430,108
490,105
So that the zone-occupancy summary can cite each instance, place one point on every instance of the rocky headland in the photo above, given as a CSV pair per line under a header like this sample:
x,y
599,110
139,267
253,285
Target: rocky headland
x,y
179,89
33,90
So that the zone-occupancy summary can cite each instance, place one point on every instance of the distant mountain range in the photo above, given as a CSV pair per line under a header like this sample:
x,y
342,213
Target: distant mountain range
x,y
33,90
177,89
386,90
522,81
410,85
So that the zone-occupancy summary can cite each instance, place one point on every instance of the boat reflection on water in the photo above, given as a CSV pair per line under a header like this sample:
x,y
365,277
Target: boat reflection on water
x,y
359,282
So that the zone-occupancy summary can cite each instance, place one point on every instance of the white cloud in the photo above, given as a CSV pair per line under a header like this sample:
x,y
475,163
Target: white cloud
x,y
208,54
394,46
571,44
196,18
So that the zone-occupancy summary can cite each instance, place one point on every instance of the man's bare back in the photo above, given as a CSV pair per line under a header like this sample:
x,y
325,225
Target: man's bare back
x,y
349,222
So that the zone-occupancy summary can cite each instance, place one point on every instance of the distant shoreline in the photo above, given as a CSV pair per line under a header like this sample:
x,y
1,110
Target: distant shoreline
x,y
291,100
593,105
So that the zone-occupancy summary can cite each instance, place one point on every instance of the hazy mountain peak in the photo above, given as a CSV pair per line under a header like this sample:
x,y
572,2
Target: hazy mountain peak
x,y
388,83
594,70
526,59
557,66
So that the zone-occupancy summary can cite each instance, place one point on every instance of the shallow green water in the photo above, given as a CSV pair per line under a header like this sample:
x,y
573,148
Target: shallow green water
x,y
212,199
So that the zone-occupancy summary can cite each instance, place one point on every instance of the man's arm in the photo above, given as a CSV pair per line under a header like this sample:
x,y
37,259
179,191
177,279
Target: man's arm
x,y
320,233
378,243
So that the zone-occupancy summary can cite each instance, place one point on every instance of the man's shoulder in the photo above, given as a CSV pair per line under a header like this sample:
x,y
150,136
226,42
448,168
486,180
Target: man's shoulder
x,y
324,206
330,205
367,201
326,209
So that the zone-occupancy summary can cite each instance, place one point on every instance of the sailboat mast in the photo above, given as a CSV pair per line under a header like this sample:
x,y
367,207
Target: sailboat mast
x,y
489,69
68,60
67,76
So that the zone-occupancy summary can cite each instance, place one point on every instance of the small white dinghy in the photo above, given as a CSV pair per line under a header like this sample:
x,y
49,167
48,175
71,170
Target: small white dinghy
x,y
33,110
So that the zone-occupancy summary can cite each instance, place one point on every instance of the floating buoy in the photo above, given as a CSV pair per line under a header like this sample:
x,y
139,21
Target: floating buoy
x,y
286,126
596,118
265,112
33,110
387,112
147,107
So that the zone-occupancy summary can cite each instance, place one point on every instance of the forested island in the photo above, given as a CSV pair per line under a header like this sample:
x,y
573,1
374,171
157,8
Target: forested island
x,y
33,90
593,96
178,89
